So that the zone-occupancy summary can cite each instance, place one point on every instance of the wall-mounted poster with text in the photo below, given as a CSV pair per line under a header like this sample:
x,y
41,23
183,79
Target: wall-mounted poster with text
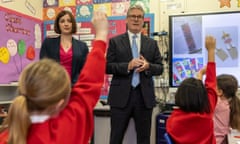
x,y
19,44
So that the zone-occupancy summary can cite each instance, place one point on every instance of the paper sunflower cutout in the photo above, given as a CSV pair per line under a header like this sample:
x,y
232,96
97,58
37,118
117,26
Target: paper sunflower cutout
x,y
225,3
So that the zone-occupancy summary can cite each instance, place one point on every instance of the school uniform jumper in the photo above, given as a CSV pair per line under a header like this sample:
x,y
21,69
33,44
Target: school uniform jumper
x,y
195,128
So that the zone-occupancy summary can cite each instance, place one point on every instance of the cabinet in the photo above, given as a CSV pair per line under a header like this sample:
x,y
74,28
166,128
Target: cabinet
x,y
161,121
7,94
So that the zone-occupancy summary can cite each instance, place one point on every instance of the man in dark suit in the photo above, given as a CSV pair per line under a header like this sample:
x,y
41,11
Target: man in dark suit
x,y
128,100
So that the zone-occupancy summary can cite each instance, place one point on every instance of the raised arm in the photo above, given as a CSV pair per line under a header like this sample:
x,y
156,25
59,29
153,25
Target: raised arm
x,y
90,81
210,44
210,82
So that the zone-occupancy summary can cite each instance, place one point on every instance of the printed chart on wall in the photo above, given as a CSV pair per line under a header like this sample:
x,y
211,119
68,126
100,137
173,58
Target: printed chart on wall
x,y
20,43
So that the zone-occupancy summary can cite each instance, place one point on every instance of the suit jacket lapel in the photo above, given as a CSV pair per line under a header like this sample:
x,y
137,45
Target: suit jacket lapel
x,y
75,52
56,47
143,44
126,44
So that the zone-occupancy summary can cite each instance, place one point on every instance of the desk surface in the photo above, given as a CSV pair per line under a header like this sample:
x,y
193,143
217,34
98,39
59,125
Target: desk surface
x,y
234,137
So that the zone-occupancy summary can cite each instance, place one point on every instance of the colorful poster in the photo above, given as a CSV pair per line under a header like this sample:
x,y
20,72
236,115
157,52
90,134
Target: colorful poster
x,y
50,13
120,0
67,3
101,1
72,9
103,7
84,2
19,45
50,3
120,8
84,12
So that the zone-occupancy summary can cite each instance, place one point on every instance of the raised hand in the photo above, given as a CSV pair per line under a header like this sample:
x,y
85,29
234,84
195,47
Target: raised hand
x,y
100,23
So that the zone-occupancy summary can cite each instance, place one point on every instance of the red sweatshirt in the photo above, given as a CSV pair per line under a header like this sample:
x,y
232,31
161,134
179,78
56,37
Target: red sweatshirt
x,y
74,125
195,128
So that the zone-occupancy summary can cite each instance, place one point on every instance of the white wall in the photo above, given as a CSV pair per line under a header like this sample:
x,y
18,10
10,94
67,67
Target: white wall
x,y
163,9
31,8
160,9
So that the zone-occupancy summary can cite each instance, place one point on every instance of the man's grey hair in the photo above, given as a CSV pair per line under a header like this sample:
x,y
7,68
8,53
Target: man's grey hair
x,y
139,7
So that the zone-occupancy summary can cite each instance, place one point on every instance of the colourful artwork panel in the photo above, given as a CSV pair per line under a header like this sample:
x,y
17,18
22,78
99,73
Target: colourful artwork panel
x,y
84,12
120,0
50,3
101,1
72,9
120,8
84,2
106,7
67,3
50,13
19,45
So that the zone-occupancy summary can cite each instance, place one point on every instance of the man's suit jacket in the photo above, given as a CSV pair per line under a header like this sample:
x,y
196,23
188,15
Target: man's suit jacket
x,y
119,54
51,49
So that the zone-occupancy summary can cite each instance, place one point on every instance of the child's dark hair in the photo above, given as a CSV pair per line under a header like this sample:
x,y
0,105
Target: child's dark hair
x,y
191,96
229,86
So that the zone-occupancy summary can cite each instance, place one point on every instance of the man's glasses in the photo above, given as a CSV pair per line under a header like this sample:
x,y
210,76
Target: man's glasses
x,y
133,17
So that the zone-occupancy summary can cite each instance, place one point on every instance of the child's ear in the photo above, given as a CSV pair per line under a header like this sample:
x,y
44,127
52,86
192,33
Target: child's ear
x,y
55,109
60,104
219,92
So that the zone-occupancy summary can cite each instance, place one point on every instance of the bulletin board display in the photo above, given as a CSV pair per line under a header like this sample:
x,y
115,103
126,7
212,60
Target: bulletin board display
x,y
83,9
20,43
86,33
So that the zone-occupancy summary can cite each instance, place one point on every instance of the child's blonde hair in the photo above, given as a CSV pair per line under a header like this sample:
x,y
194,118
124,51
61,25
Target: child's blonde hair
x,y
42,84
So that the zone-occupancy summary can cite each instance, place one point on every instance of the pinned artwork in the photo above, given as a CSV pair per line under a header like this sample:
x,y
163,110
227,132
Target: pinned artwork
x,y
4,55
84,11
84,2
50,13
224,3
67,3
120,8
106,7
30,53
50,3
19,45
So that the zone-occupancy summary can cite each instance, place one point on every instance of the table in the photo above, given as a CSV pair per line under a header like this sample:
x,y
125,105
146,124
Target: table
x,y
234,137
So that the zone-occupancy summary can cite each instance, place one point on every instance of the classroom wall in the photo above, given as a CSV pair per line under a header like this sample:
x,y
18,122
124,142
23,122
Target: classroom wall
x,y
174,7
160,8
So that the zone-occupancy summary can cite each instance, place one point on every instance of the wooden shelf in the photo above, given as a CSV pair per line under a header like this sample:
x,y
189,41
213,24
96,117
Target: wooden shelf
x,y
5,102
7,85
